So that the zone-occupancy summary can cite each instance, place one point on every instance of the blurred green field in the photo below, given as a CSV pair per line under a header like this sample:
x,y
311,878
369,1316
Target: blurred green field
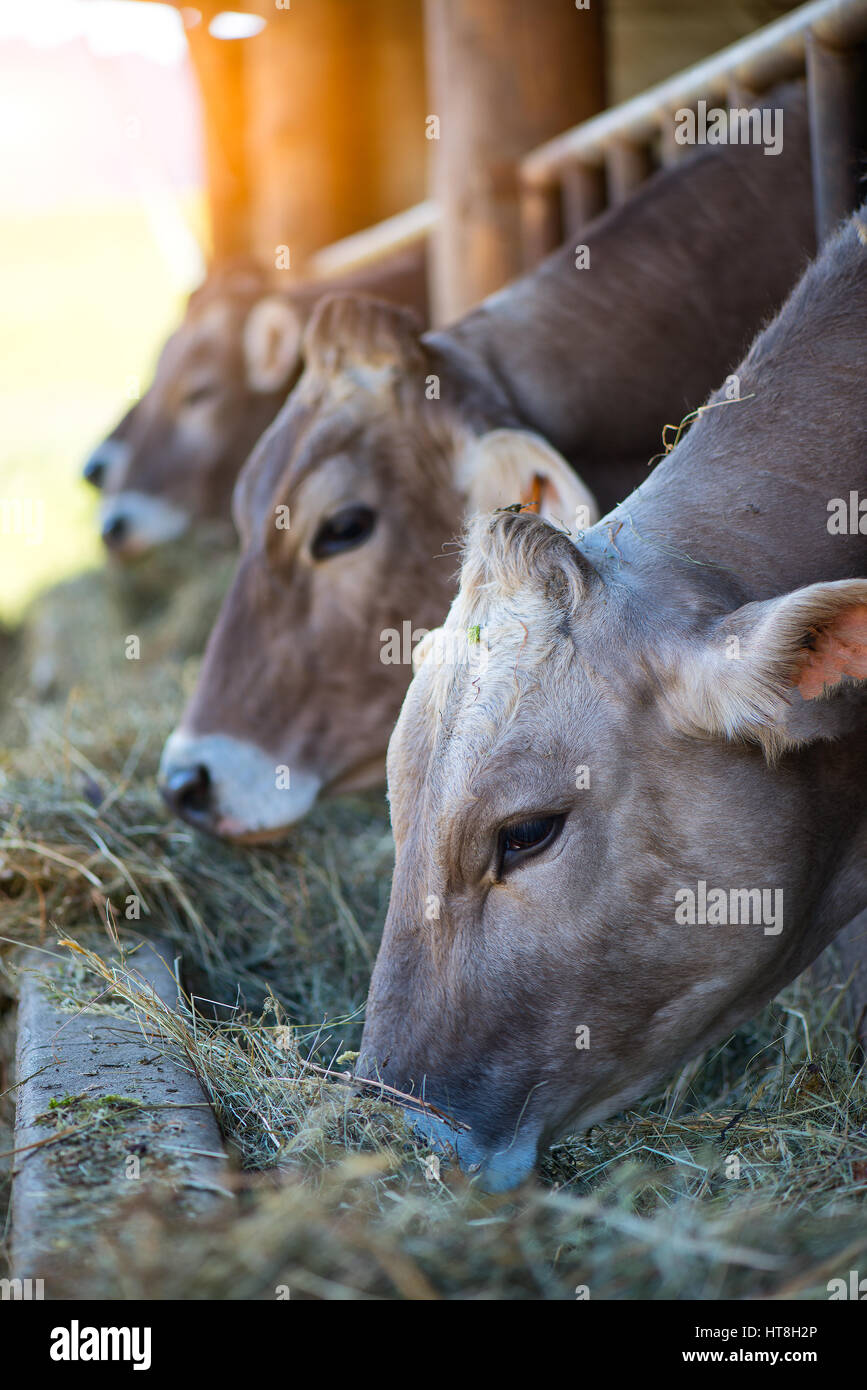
x,y
87,300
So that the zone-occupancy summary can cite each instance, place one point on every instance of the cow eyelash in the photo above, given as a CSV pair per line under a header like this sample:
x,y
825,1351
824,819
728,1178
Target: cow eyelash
x,y
523,839
345,530
199,394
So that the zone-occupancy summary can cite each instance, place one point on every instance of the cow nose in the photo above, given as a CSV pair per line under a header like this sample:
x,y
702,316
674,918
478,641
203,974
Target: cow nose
x,y
189,793
94,470
114,532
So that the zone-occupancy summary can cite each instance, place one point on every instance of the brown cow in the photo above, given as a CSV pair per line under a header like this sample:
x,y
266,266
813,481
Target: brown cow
x,y
646,810
389,439
221,378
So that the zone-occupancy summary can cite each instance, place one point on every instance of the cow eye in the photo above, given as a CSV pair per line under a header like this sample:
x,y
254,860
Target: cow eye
x,y
527,837
343,531
199,394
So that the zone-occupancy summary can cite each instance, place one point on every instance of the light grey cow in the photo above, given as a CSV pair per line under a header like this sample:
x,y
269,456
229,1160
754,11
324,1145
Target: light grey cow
x,y
629,794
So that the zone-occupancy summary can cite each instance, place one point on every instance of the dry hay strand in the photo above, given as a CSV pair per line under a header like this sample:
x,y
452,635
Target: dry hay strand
x,y
335,1198
348,1204
71,646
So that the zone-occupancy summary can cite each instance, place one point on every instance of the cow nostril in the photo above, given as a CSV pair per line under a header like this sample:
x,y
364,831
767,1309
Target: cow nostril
x,y
114,532
94,472
188,792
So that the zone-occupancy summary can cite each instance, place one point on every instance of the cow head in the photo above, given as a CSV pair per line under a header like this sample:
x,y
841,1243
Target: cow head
x,y
220,380
621,824
344,511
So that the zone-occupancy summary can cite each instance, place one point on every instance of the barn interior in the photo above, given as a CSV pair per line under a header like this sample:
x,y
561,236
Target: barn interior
x,y
469,137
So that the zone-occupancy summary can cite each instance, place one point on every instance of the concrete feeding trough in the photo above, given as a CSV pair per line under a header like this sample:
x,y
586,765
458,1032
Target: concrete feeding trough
x,y
103,1115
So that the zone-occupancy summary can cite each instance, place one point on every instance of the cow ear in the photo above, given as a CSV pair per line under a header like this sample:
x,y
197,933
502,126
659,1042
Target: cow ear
x,y
761,665
351,333
272,344
507,467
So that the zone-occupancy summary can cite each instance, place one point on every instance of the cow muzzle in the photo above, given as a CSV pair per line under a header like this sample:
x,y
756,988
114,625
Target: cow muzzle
x,y
133,523
233,789
497,1162
105,463
188,791
497,1167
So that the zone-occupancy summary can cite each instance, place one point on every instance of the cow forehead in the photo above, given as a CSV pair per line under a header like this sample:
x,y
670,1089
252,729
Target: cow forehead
x,y
525,692
484,694
453,786
310,432
216,319
271,463
186,350
489,650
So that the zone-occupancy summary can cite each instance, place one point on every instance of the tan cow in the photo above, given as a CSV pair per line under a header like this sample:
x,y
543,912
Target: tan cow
x,y
631,805
347,508
173,460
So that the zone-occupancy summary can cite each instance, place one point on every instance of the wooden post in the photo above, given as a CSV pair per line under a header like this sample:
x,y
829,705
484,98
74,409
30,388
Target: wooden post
x,y
335,134
836,82
396,76
628,165
219,71
584,194
542,229
504,76
670,151
553,210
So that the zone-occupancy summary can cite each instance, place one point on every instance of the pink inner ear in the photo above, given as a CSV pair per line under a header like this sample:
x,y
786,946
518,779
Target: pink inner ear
x,y
840,650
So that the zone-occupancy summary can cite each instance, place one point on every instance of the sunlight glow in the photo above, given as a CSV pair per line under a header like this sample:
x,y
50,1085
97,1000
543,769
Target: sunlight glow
x,y
110,28
231,24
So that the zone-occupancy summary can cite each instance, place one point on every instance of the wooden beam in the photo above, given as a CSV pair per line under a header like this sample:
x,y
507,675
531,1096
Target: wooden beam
x,y
335,132
503,75
219,71
375,244
773,54
100,1096
837,83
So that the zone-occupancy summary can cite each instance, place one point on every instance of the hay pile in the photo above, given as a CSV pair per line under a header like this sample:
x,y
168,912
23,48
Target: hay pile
x,y
335,1199
70,651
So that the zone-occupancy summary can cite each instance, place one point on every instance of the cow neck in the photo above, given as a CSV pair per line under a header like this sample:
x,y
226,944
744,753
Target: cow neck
x,y
746,494
679,279
477,398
